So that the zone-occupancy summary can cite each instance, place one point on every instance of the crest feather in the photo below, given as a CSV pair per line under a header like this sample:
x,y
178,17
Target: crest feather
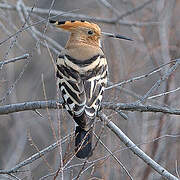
x,y
70,25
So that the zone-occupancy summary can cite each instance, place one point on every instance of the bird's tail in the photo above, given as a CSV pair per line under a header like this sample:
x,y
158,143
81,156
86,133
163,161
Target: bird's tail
x,y
83,142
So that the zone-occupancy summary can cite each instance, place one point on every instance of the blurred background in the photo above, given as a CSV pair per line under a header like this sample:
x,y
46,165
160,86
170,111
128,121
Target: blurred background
x,y
155,28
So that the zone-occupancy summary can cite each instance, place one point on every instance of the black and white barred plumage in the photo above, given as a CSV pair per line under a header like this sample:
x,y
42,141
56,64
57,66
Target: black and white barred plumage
x,y
82,84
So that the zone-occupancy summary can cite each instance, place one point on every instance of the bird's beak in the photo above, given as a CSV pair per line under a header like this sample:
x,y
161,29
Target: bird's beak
x,y
118,36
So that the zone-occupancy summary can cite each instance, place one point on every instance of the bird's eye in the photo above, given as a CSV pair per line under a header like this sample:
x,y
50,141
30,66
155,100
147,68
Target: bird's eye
x,y
90,32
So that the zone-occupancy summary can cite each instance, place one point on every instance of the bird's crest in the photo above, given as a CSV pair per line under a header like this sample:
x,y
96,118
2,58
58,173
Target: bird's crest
x,y
70,25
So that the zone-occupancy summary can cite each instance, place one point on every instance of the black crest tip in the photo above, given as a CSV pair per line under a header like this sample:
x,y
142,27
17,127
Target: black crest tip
x,y
52,21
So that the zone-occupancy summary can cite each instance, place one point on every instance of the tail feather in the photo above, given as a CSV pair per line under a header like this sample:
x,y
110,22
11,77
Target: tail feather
x,y
83,142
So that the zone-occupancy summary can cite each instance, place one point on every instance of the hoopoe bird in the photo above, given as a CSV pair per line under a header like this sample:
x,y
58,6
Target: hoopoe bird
x,y
82,72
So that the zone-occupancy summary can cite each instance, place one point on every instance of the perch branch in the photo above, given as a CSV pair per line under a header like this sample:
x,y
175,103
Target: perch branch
x,y
58,104
140,108
53,104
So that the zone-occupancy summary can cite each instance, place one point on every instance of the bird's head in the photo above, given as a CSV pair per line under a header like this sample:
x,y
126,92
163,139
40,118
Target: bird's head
x,y
81,31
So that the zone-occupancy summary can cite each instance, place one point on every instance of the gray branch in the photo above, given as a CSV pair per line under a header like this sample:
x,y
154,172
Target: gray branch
x,y
53,104
140,108
24,56
109,124
158,83
82,16
34,157
138,8
136,150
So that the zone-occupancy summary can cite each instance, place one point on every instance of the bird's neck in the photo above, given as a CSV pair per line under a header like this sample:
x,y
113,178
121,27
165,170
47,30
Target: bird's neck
x,y
82,51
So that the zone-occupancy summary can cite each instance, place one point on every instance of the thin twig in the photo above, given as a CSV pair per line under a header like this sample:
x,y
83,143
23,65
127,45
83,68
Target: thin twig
x,y
8,33
34,157
16,81
14,177
176,164
69,14
109,6
158,83
127,13
163,94
138,144
138,8
136,150
29,26
142,76
140,108
116,159
47,110
37,150
25,56
25,19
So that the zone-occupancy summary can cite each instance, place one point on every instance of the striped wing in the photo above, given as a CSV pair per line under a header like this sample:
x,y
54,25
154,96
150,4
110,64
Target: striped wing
x,y
82,84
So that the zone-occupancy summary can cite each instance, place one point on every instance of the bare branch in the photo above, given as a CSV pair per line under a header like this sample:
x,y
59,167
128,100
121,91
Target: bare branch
x,y
142,76
165,93
34,157
29,26
140,107
127,13
109,6
25,56
118,132
163,172
138,8
30,106
82,16
16,81
176,164
158,83
116,159
53,104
